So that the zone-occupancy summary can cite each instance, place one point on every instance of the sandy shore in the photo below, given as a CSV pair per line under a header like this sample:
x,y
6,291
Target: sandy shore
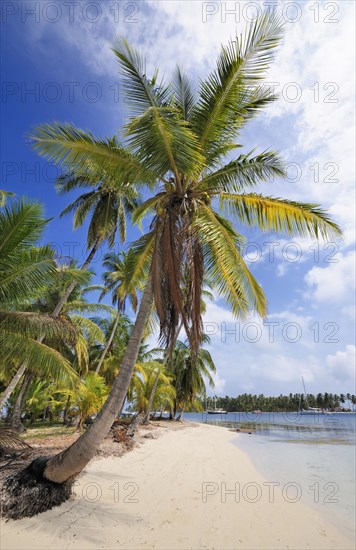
x,y
169,493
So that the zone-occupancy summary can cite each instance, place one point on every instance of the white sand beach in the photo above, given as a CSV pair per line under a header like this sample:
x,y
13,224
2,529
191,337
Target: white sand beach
x,y
168,493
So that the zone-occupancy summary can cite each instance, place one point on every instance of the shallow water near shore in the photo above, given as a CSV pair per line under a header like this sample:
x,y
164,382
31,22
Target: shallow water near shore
x,y
312,458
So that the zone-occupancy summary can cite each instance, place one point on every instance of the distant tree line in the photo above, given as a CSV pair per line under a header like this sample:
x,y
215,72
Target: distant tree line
x,y
292,402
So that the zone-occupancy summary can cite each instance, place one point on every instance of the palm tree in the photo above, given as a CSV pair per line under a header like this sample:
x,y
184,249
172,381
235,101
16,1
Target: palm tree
x,y
25,270
89,333
90,396
121,289
115,351
4,196
189,374
107,202
181,141
152,390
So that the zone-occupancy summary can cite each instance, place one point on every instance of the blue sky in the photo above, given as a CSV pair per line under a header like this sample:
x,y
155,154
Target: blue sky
x,y
62,53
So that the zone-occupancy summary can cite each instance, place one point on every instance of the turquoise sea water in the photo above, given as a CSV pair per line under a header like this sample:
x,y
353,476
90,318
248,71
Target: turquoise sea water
x,y
310,456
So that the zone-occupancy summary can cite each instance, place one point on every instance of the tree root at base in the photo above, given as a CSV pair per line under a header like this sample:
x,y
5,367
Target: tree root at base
x,y
27,493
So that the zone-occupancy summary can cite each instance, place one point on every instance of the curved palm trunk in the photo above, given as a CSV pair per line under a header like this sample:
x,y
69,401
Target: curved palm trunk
x,y
65,413
69,463
108,343
63,300
10,388
15,419
150,401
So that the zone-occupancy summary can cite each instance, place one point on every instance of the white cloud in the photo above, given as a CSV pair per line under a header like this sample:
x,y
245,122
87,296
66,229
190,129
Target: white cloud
x,y
219,385
335,283
323,128
343,364
292,344
350,312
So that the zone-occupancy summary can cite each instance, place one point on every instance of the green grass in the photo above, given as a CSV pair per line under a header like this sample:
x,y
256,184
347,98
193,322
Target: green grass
x,y
41,430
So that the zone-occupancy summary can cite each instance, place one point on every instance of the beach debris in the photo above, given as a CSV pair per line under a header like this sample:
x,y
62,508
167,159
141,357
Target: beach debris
x,y
119,435
27,493
150,435
11,444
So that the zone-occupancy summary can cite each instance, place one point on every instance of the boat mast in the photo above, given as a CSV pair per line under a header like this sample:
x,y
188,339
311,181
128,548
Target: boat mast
x,y
305,393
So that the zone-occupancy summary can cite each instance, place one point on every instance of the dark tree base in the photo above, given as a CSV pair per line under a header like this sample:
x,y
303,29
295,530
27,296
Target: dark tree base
x,y
27,493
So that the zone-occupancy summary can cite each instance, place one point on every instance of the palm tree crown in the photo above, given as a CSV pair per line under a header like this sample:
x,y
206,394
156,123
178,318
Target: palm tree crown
x,y
180,140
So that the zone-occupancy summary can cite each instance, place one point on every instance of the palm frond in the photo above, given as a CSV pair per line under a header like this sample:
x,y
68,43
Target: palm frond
x,y
281,215
244,172
21,225
241,64
33,325
65,144
225,267
141,93
92,332
184,97
146,207
25,273
139,259
38,356
80,306
164,143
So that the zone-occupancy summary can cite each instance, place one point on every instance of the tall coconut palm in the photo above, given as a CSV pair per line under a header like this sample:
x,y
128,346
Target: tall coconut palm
x,y
107,203
121,289
181,141
109,200
25,270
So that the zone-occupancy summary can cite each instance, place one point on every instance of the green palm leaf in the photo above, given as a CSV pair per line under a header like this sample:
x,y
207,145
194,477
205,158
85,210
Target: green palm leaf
x,y
63,143
25,273
184,98
38,356
141,93
21,225
240,65
225,267
281,216
164,143
32,325
244,172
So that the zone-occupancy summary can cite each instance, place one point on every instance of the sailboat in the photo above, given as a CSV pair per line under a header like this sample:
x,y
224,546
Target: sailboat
x,y
215,410
309,410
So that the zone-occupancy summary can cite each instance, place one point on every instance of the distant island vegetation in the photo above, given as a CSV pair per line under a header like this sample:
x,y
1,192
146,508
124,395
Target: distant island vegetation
x,y
281,403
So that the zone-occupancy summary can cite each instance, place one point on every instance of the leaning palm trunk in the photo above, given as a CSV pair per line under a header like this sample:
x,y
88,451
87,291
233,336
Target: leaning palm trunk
x,y
63,300
108,343
66,410
10,388
46,482
150,401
